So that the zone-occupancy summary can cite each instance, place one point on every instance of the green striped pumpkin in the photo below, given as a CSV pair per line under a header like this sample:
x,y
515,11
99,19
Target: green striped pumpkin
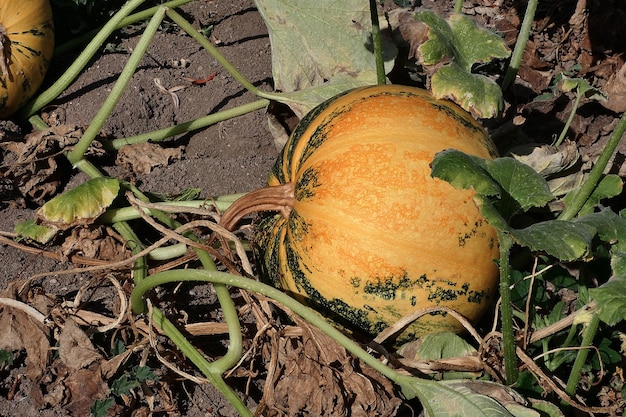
x,y
27,44
356,227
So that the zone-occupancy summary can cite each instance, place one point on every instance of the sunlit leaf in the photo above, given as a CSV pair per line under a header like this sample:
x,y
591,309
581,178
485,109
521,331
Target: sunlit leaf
x,y
30,230
521,188
80,205
316,42
438,399
459,43
506,178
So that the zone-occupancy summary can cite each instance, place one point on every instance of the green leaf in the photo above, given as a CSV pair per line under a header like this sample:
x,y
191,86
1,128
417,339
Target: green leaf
x,y
474,92
581,86
123,385
611,227
517,184
521,188
439,399
522,183
443,345
460,43
100,408
81,205
610,300
565,240
144,373
609,186
321,42
464,171
30,230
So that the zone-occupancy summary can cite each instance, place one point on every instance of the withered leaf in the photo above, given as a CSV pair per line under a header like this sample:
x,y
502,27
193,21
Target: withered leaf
x,y
319,377
21,331
33,162
75,348
142,157
93,242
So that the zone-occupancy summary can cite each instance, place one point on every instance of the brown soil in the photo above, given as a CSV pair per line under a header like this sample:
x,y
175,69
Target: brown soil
x,y
235,156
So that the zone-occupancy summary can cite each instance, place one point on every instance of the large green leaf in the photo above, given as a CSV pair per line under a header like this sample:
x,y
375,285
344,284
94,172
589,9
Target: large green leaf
x,y
317,42
565,240
520,188
460,43
80,205
515,183
522,183
464,171
439,399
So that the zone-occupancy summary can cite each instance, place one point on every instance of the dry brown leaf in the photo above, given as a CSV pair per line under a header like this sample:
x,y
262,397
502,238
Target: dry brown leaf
x,y
93,242
21,331
75,348
319,377
84,386
33,162
142,157
412,31
615,89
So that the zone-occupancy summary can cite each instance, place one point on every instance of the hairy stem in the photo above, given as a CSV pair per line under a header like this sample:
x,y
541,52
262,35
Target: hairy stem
x,y
378,44
508,335
202,122
520,45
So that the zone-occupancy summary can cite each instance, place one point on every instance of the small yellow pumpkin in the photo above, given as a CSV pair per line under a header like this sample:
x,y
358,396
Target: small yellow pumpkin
x,y
26,48
363,232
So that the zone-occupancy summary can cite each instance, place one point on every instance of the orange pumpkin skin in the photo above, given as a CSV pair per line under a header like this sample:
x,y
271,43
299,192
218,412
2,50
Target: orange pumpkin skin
x,y
27,40
372,236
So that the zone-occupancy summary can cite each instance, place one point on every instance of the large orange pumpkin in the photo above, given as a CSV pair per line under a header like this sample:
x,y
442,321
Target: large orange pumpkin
x,y
360,229
26,47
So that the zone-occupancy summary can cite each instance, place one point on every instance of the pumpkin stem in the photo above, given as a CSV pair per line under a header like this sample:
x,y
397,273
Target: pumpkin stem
x,y
274,198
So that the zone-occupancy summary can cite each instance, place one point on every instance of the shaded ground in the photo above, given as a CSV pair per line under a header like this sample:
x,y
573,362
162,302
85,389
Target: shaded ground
x,y
234,156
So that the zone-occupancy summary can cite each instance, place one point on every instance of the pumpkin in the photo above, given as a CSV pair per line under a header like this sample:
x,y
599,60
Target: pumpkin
x,y
359,228
26,47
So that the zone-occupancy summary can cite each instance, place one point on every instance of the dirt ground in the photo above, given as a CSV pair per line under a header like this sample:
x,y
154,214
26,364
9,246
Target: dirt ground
x,y
235,156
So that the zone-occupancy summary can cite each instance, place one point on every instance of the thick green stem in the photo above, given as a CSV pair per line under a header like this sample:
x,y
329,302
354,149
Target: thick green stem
x,y
308,314
520,45
213,373
79,41
215,53
79,63
588,336
506,310
458,6
130,213
202,122
213,370
580,196
118,89
569,120
381,79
